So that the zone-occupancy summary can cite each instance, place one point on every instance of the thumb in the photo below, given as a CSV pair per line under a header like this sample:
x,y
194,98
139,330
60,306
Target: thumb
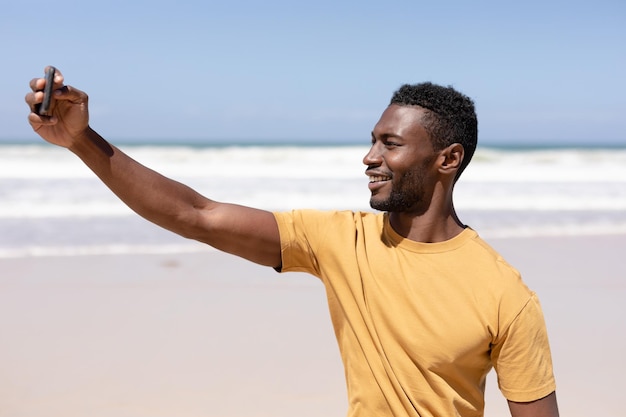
x,y
71,94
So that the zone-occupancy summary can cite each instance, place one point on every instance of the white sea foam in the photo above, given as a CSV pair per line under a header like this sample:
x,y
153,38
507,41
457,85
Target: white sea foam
x,y
46,186
574,165
27,251
339,162
92,250
37,181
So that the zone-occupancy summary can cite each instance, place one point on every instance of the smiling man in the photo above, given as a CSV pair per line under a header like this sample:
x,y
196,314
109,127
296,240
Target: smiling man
x,y
422,307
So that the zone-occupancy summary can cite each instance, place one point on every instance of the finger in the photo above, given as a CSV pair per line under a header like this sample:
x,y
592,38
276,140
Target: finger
x,y
33,98
37,84
58,78
71,94
36,121
30,99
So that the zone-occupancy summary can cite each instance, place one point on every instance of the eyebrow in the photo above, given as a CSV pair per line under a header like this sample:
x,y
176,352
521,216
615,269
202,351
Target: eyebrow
x,y
384,136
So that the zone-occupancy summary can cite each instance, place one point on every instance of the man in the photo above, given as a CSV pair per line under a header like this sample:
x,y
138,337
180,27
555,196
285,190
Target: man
x,y
422,307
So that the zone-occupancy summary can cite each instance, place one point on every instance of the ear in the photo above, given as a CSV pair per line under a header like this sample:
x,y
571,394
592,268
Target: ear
x,y
450,159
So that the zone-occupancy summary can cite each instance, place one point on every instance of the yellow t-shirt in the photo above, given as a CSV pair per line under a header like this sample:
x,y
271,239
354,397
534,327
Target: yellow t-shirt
x,y
419,325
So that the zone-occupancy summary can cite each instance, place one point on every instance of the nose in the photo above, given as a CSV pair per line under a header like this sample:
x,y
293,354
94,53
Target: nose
x,y
373,157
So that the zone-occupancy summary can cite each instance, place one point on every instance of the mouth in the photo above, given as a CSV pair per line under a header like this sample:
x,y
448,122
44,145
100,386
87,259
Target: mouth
x,y
378,178
377,182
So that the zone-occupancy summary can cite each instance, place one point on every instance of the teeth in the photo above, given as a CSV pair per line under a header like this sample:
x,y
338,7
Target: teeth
x,y
378,178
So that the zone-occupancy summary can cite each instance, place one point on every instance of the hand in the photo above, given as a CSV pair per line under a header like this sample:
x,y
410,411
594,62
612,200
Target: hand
x,y
69,118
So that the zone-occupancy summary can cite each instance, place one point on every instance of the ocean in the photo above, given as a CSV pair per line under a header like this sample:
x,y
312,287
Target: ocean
x,y
52,205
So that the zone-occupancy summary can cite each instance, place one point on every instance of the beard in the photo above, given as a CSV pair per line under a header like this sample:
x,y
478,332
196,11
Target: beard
x,y
407,194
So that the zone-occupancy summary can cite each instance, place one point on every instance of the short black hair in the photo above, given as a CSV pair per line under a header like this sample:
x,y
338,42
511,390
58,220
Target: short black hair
x,y
450,117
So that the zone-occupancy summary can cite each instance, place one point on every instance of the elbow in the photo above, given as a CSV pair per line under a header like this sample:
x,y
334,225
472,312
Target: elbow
x,y
192,221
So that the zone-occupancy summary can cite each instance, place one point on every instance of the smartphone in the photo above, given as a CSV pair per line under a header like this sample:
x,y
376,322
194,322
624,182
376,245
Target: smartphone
x,y
44,108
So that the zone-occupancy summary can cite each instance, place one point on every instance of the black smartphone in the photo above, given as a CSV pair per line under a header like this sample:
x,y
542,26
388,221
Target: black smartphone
x,y
44,108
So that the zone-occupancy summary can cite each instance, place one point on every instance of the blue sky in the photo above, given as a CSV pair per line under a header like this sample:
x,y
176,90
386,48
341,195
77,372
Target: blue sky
x,y
320,70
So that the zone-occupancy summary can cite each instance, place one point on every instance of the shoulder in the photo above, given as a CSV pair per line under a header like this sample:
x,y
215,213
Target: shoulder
x,y
483,254
323,230
328,218
496,282
308,237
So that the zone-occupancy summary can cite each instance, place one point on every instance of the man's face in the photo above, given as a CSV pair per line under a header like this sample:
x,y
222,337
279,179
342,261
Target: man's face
x,y
400,163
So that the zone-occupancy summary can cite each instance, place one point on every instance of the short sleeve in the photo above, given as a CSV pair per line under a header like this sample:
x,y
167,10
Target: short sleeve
x,y
301,232
522,358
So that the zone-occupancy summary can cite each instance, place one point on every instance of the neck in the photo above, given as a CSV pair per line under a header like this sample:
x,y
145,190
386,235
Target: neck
x,y
437,223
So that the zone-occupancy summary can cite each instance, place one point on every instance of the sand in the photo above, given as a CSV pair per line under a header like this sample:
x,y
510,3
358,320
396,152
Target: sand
x,y
207,334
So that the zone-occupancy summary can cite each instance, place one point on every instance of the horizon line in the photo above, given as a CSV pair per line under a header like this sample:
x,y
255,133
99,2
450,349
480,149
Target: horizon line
x,y
226,142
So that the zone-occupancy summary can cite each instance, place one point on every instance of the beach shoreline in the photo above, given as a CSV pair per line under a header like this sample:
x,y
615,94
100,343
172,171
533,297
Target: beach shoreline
x,y
206,334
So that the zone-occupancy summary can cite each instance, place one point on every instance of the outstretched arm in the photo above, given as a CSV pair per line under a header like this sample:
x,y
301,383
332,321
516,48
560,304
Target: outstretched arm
x,y
242,231
545,407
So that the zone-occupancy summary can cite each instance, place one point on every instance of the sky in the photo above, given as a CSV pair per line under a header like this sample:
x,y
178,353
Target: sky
x,y
223,71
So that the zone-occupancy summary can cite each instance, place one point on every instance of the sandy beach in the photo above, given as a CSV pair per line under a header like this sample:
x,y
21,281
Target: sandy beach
x,y
207,334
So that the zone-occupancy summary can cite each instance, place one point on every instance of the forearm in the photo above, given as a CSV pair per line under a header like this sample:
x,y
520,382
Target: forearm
x,y
160,200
